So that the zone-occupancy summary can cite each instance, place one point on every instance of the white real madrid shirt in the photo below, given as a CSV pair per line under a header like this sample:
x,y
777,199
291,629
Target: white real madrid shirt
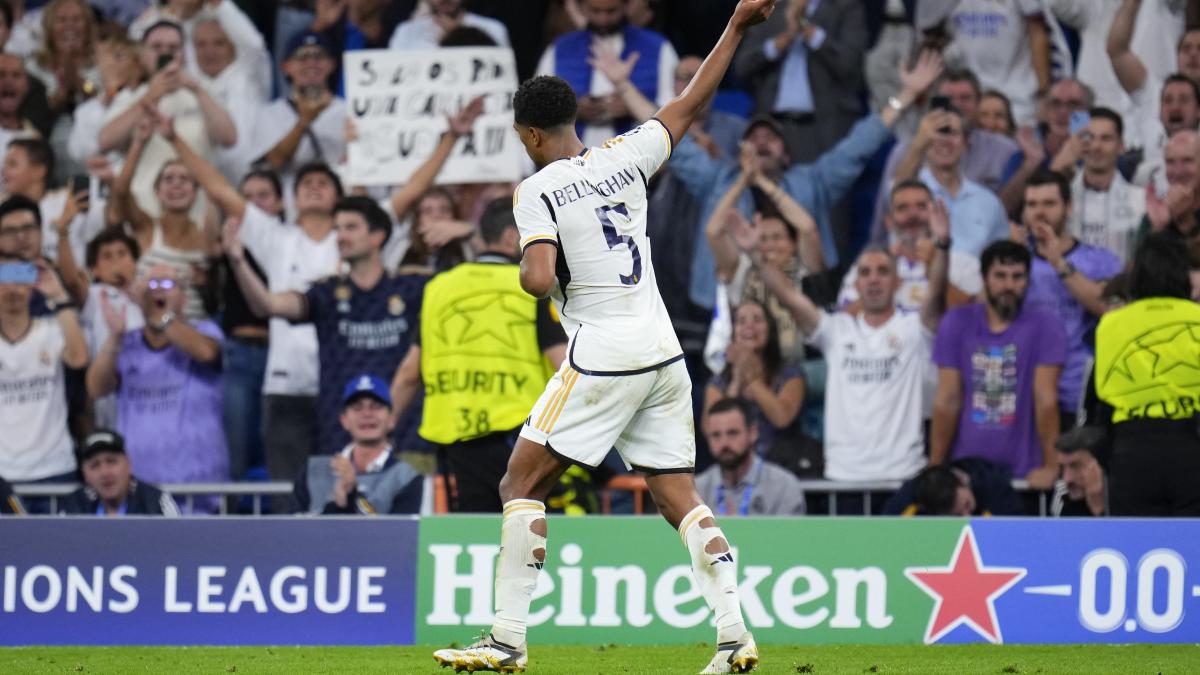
x,y
873,395
33,405
593,207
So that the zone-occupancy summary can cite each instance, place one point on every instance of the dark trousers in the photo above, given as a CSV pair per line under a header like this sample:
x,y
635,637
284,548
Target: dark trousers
x,y
244,363
1155,469
289,437
477,466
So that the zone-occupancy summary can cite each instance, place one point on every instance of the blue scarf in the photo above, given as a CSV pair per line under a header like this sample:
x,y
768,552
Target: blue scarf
x,y
572,51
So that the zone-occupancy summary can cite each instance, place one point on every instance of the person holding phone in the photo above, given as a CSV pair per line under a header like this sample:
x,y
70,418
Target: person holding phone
x,y
36,445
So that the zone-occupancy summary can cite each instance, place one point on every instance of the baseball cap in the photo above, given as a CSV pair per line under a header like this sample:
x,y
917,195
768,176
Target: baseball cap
x,y
763,120
309,38
101,440
367,385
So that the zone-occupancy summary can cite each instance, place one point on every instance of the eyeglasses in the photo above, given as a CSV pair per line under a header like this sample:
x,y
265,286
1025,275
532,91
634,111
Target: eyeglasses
x,y
20,230
164,284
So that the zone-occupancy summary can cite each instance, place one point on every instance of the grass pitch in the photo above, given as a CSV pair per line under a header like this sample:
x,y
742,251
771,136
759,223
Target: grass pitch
x,y
614,660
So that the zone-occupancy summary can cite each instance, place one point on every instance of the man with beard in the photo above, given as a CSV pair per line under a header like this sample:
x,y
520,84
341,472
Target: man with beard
x,y
877,359
109,486
741,483
602,111
1066,279
998,367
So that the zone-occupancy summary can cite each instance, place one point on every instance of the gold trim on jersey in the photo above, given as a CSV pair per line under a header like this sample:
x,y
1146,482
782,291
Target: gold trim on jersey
x,y
555,407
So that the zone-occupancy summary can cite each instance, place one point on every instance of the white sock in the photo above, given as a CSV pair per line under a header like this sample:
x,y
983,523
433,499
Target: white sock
x,y
522,553
714,570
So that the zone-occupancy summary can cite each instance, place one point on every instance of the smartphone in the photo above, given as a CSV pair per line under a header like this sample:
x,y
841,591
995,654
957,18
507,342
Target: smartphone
x,y
1079,121
939,103
164,60
20,272
80,183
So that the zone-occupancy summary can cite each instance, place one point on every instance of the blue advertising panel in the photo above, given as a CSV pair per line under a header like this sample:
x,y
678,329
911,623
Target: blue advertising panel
x,y
156,581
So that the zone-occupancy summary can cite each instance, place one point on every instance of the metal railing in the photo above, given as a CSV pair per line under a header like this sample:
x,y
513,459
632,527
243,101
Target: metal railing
x,y
633,484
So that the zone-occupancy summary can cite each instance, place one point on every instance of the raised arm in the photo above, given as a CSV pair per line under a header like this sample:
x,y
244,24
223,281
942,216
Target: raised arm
x,y
799,219
217,121
807,314
119,130
232,203
404,197
914,157
680,112
716,231
934,304
75,278
290,306
1088,293
121,206
1130,70
307,112
947,405
1039,48
609,62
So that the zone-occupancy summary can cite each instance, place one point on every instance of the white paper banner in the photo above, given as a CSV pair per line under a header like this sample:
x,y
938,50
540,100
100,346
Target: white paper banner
x,y
399,101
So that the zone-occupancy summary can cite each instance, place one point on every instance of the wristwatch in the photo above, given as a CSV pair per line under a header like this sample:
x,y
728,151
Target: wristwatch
x,y
1065,270
163,323
895,104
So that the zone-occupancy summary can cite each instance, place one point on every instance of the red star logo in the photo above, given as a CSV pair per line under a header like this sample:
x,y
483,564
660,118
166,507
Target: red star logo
x,y
964,591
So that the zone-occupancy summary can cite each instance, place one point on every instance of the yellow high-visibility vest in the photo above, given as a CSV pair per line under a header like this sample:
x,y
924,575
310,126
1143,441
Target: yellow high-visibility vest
x,y
480,361
1148,360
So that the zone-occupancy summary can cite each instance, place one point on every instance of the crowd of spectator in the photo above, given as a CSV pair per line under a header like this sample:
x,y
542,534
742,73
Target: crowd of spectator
x,y
909,243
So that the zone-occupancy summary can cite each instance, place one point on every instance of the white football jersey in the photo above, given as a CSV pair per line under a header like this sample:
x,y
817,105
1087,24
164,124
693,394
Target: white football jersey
x,y
593,208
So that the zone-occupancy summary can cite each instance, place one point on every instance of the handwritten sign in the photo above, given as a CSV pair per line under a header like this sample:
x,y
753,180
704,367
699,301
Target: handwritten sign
x,y
399,101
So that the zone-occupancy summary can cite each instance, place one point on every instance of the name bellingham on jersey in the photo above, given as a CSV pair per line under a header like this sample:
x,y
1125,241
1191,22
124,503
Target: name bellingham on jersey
x,y
593,208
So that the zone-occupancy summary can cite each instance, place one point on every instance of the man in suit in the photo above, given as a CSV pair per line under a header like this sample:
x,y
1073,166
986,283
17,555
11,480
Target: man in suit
x,y
807,47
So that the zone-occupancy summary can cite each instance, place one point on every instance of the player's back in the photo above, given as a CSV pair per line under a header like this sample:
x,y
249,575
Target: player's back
x,y
593,208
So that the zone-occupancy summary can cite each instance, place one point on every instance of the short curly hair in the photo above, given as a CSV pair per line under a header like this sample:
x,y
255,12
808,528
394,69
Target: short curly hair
x,y
545,102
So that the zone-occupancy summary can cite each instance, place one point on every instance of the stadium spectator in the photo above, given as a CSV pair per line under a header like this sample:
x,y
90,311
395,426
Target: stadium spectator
x,y
741,483
1083,488
109,486
174,93
1145,357
22,237
998,368
66,219
1065,98
789,239
119,67
603,112
910,241
307,125
438,234
479,386
10,503
994,114
1106,209
171,238
936,158
756,372
65,65
364,318
1066,280
367,476
112,262
167,378
189,15
35,445
804,66
14,94
876,360
428,31
1006,44
817,186
966,487
349,25
1176,211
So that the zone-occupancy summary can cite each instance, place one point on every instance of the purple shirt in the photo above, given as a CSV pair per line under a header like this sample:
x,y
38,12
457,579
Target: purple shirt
x,y
169,410
1048,293
997,420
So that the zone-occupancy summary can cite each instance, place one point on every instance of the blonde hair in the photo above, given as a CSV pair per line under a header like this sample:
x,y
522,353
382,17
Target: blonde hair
x,y
45,53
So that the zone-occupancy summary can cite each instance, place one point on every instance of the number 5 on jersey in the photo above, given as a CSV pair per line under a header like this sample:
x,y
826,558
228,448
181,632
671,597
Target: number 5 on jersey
x,y
614,239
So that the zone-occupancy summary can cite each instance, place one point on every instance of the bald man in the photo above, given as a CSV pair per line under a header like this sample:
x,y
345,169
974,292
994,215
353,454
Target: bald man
x,y
1176,210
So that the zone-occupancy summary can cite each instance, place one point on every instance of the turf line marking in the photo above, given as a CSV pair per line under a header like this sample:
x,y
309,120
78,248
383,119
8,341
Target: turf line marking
x,y
1063,590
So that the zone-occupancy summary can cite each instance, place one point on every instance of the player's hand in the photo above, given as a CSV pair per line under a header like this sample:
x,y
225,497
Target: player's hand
x,y
608,61
751,12
1043,477
462,123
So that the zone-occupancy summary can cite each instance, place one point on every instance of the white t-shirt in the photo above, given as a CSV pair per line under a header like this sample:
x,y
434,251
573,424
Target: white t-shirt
x,y
33,405
83,228
593,207
873,395
594,135
274,120
1108,219
914,281
95,332
424,33
995,42
292,262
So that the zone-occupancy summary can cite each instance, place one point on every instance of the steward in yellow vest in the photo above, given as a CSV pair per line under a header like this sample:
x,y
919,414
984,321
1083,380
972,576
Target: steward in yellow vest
x,y
1148,370
484,354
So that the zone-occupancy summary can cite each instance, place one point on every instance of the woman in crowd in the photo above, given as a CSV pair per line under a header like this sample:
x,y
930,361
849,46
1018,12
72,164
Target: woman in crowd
x,y
755,370
994,114
438,234
172,239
